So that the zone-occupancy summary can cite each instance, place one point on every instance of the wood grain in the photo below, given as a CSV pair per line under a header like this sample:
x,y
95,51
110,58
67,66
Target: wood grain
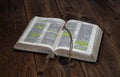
x,y
15,15
12,24
108,18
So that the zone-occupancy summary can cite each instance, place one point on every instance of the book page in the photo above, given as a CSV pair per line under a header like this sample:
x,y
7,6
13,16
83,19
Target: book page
x,y
44,31
51,34
83,38
81,33
64,41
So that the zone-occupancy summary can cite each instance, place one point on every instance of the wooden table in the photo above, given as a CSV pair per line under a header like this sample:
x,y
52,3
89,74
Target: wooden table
x,y
15,15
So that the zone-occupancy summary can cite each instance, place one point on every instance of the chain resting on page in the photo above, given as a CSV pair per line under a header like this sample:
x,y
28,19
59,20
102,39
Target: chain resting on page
x,y
71,42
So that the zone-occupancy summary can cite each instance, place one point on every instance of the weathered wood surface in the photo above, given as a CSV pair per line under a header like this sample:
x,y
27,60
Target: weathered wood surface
x,y
15,15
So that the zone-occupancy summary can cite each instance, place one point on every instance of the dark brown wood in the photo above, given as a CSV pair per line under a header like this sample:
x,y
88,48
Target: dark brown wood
x,y
15,15
109,18
12,24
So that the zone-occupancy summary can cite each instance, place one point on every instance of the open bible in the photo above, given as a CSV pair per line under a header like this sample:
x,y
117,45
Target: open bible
x,y
45,35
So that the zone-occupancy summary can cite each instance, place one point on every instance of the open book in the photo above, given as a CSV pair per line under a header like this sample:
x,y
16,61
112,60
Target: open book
x,y
45,35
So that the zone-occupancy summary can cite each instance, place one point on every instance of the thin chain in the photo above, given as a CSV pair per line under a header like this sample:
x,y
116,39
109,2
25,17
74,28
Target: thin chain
x,y
71,42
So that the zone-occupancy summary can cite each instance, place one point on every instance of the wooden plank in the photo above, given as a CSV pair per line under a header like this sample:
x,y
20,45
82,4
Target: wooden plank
x,y
109,19
76,9
57,67
114,5
43,8
12,24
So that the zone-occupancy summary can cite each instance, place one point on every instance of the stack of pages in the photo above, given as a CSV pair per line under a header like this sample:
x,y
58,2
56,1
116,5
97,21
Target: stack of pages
x,y
45,35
